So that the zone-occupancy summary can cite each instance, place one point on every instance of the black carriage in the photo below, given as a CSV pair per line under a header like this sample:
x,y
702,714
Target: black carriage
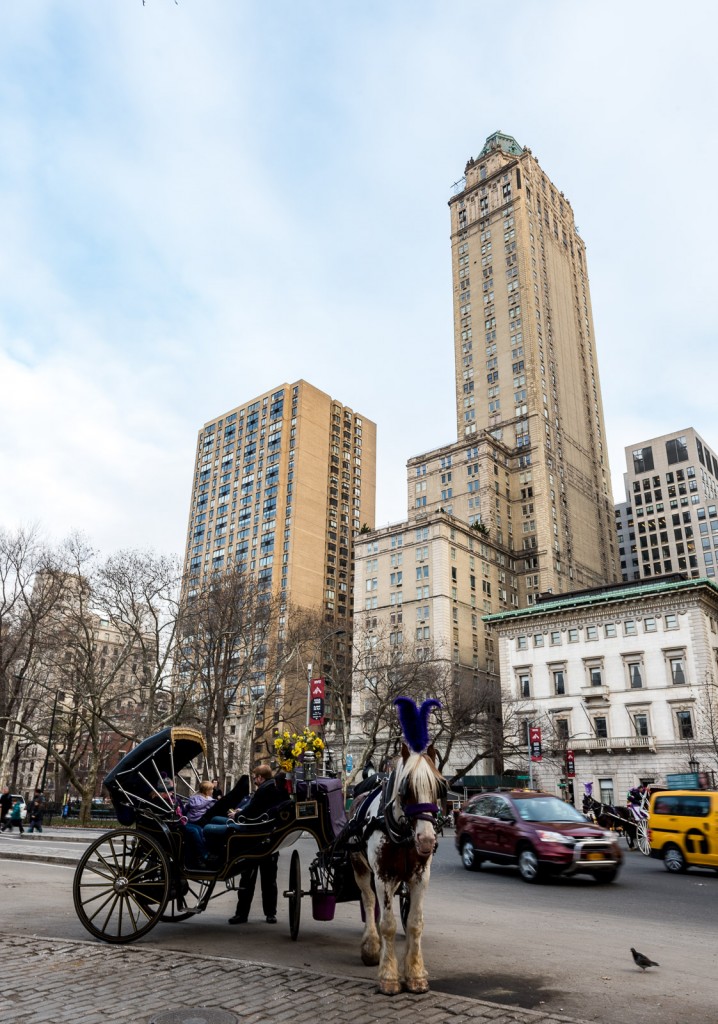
x,y
146,871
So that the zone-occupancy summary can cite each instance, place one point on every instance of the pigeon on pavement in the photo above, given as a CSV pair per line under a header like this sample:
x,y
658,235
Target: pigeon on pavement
x,y
643,961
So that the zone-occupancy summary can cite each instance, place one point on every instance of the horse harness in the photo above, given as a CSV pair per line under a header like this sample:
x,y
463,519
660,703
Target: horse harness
x,y
399,831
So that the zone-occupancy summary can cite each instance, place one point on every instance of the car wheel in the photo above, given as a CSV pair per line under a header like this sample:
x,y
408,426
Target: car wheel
x,y
673,860
529,867
469,857
606,877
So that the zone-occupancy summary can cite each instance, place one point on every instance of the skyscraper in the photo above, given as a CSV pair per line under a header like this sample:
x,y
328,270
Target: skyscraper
x,y
282,484
526,363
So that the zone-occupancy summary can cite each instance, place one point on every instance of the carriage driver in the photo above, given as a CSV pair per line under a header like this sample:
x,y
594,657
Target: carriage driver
x,y
267,795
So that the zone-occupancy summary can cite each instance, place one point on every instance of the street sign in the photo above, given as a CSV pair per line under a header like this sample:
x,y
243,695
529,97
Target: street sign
x,y
316,702
350,762
570,765
535,742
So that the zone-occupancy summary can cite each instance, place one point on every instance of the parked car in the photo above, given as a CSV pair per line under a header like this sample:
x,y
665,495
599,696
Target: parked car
x,y
683,829
539,833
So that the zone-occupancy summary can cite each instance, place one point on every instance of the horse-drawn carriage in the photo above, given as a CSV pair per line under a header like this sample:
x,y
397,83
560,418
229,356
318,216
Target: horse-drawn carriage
x,y
147,870
630,820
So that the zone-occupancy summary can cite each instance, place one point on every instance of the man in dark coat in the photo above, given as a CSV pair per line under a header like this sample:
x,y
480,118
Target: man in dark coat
x,y
5,805
267,795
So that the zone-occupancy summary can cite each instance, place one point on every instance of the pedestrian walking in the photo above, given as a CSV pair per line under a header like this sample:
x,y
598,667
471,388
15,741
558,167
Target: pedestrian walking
x,y
216,789
36,813
15,817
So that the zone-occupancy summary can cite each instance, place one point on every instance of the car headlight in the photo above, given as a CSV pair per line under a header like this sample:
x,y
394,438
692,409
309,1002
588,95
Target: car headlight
x,y
552,837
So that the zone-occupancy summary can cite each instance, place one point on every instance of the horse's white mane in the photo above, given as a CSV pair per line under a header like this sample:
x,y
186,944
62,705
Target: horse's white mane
x,y
423,776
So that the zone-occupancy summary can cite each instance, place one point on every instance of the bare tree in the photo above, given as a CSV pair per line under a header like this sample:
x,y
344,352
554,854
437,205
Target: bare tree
x,y
32,585
138,591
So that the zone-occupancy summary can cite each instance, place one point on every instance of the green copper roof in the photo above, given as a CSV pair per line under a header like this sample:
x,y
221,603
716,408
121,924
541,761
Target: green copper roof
x,y
607,596
500,141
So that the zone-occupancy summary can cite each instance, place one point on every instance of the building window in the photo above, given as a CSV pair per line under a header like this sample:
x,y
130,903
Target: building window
x,y
649,625
609,630
671,622
555,638
605,788
600,727
685,725
640,723
643,460
573,636
521,643
676,450
635,677
629,627
524,685
562,728
559,682
538,639
676,664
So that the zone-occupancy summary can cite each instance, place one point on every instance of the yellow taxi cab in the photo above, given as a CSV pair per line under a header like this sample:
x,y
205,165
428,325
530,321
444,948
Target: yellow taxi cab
x,y
683,828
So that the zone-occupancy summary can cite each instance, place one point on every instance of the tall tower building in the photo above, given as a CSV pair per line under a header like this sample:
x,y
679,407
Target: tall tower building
x,y
281,485
526,364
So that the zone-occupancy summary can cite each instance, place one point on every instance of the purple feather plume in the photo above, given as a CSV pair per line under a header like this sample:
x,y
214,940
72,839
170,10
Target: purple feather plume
x,y
414,721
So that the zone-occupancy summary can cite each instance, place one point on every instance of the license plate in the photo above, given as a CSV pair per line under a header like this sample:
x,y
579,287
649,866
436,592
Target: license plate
x,y
595,856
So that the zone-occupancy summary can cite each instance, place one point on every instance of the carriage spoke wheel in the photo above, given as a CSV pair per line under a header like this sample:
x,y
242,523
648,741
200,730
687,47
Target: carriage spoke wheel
x,y
186,899
644,843
294,895
121,886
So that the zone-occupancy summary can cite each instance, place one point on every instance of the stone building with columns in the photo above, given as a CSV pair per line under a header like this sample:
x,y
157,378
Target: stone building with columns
x,y
624,676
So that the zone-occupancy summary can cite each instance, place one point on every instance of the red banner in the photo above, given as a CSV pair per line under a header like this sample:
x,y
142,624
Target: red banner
x,y
316,702
570,765
535,742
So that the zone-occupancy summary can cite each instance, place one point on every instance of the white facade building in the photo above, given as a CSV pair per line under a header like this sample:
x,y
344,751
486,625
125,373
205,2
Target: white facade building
x,y
623,676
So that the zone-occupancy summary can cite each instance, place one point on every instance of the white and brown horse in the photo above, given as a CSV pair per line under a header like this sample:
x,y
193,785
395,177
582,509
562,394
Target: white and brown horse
x,y
398,842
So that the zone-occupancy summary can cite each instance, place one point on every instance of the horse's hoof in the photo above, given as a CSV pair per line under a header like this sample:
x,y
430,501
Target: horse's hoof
x,y
417,986
369,959
389,988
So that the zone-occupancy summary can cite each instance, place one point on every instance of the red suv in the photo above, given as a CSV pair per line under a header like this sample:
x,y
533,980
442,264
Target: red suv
x,y
538,832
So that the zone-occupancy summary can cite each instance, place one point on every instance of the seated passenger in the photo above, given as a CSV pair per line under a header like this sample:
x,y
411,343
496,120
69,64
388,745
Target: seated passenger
x,y
266,796
201,802
195,809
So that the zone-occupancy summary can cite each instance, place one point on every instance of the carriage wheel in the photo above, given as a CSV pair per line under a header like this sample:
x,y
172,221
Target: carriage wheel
x,y
184,900
404,904
121,886
294,894
644,843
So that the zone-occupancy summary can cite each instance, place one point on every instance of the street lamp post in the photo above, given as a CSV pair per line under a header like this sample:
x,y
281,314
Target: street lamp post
x,y
334,632
43,777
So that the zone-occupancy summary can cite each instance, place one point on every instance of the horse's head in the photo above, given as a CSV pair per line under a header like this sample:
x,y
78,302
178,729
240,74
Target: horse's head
x,y
420,787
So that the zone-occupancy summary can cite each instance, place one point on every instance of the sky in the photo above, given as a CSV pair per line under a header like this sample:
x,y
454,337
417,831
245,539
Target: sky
x,y
202,199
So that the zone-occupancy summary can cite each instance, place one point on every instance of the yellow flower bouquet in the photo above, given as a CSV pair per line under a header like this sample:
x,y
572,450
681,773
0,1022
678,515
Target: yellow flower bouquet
x,y
289,748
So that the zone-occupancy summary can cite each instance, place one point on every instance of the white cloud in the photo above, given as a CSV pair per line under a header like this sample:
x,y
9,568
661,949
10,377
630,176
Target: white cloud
x,y
200,201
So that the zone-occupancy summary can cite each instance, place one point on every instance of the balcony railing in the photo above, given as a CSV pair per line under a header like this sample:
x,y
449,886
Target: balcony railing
x,y
610,743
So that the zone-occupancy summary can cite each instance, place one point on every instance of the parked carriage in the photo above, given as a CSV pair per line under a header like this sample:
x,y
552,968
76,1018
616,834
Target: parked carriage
x,y
148,869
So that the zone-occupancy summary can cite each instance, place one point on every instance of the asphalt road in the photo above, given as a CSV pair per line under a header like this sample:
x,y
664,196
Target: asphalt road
x,y
560,947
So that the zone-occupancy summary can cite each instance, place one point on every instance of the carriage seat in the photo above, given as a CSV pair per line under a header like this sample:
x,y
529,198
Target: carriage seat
x,y
220,829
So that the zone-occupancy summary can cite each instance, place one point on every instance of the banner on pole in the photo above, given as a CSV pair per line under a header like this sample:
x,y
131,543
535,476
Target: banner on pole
x,y
535,742
570,765
316,702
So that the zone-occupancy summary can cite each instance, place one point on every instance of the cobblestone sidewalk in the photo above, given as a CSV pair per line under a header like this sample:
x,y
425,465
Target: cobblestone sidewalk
x,y
50,981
